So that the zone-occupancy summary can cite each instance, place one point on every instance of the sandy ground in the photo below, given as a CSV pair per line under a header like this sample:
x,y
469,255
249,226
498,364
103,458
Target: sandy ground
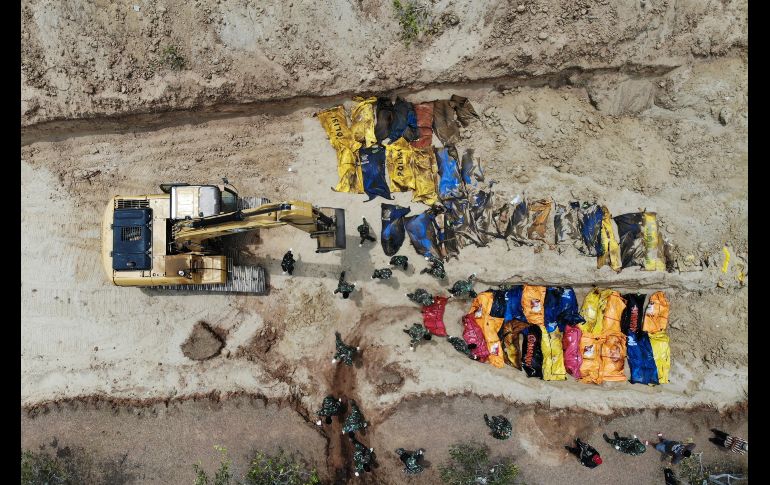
x,y
636,105
159,443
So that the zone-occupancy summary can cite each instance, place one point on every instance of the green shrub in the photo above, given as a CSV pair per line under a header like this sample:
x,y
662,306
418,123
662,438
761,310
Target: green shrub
x,y
694,471
470,464
412,17
264,469
172,59
41,468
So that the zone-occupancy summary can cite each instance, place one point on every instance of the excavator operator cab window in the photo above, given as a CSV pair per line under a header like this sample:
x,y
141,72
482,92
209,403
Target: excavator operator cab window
x,y
229,201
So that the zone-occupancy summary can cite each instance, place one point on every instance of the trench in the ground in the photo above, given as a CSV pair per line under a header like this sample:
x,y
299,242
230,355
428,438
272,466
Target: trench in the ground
x,y
427,420
139,122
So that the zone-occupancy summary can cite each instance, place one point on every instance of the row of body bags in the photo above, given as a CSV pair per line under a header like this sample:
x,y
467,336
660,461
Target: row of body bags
x,y
539,330
442,230
386,146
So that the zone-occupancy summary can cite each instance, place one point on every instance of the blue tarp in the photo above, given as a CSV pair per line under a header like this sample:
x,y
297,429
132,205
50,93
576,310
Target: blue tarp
x,y
641,362
393,231
422,234
449,183
561,308
513,310
373,169
592,223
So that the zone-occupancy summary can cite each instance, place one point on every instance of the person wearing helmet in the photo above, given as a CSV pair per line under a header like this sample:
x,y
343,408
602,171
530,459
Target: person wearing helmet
x,y
463,287
330,406
410,460
500,426
363,231
382,274
436,268
287,263
344,287
400,261
630,446
344,352
587,454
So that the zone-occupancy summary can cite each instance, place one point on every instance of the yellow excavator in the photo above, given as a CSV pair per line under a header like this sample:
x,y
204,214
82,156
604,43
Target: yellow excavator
x,y
172,241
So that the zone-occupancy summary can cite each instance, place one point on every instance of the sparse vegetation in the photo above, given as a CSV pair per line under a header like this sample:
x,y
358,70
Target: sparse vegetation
x,y
413,18
264,469
172,59
693,471
37,468
470,464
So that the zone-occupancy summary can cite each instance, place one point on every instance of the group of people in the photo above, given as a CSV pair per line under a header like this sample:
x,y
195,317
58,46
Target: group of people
x,y
675,450
363,457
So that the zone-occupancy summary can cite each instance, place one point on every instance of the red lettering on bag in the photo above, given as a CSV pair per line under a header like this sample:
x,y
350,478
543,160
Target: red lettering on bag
x,y
634,319
531,339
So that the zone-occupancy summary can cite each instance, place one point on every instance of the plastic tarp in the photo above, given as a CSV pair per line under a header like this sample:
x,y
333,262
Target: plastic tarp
x,y
399,161
630,239
510,221
592,216
553,356
422,234
444,123
513,309
592,312
613,357
463,109
424,112
656,314
654,252
614,305
538,228
425,172
661,352
509,336
473,335
566,223
591,352
335,123
393,231
631,320
561,308
641,361
532,351
610,250
362,120
480,307
395,120
533,303
433,316
449,185
498,303
373,169
573,357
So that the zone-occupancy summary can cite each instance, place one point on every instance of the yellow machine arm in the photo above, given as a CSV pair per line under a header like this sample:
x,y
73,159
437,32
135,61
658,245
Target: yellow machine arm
x,y
325,224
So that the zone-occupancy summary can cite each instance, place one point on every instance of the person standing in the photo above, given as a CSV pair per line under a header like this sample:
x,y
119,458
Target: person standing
x,y
344,352
363,231
344,287
287,263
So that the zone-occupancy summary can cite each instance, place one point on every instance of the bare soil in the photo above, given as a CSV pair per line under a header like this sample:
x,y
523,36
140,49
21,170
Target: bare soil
x,y
638,105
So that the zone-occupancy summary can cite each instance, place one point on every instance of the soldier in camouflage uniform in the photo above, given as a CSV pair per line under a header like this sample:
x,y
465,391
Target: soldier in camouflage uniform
x,y
363,457
344,287
344,353
464,287
363,231
436,268
401,261
329,407
418,333
462,346
411,466
501,427
287,263
630,446
355,421
421,297
382,274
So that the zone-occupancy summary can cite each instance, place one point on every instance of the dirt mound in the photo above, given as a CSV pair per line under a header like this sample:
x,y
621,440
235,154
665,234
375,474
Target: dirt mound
x,y
203,343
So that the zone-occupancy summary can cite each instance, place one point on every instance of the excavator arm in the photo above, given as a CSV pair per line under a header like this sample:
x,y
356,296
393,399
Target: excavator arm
x,y
325,224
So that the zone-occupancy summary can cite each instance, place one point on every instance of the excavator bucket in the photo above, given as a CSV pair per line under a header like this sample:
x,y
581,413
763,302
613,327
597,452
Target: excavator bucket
x,y
330,229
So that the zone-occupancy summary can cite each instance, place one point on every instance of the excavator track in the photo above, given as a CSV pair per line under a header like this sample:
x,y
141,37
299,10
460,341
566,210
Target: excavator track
x,y
241,279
